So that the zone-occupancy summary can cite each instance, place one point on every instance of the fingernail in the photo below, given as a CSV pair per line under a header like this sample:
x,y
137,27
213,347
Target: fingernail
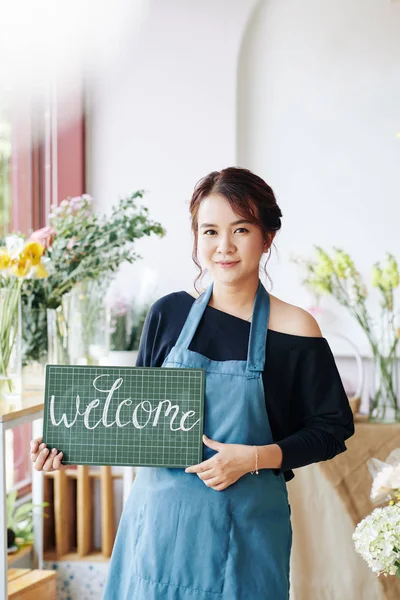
x,y
54,451
42,446
45,451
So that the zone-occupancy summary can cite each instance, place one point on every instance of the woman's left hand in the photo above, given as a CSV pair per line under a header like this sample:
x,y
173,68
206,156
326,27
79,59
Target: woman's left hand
x,y
231,462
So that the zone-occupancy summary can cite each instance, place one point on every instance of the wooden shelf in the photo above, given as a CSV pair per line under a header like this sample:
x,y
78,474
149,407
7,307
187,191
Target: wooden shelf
x,y
23,551
27,584
73,473
95,556
31,403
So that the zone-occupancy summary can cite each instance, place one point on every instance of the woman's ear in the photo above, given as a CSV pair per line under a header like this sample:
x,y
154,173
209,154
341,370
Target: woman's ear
x,y
268,241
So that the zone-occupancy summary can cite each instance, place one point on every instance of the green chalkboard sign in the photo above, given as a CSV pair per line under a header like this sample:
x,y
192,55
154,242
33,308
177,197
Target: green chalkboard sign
x,y
136,416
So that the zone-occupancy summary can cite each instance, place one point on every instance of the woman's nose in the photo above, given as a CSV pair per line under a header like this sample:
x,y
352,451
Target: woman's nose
x,y
225,244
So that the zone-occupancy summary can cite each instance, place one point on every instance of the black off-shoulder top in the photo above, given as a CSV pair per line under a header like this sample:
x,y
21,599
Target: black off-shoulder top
x,y
306,403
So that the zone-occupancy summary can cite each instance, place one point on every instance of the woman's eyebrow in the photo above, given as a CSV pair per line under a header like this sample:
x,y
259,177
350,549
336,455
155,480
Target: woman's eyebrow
x,y
240,222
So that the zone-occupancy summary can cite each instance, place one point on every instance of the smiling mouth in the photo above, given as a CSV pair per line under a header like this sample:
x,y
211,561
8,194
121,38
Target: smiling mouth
x,y
227,264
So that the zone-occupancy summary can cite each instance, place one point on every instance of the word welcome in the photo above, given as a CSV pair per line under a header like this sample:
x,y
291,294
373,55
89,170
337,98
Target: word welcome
x,y
144,414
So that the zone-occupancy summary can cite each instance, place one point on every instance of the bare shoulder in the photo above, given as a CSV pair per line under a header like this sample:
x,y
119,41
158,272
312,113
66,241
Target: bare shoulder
x,y
288,318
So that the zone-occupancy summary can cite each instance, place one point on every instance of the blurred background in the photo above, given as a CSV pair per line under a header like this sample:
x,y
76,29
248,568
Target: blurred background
x,y
109,115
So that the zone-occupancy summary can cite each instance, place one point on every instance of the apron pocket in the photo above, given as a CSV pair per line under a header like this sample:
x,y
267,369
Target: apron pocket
x,y
184,542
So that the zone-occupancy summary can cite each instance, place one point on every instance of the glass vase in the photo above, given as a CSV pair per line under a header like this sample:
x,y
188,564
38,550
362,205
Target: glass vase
x,y
64,333
10,345
385,396
78,328
94,318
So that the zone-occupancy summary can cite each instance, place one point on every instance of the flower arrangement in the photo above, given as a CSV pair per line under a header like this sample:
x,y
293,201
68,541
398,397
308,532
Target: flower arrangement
x,y
338,276
82,246
377,537
20,261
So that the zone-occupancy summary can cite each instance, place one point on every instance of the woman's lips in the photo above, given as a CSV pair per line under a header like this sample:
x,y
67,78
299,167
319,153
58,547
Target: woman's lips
x,y
227,265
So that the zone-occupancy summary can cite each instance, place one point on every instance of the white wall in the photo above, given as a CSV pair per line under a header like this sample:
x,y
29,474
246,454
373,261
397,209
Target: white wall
x,y
165,117
310,101
318,112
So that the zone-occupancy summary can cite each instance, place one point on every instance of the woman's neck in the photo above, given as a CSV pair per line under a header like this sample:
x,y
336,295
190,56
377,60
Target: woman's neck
x,y
235,299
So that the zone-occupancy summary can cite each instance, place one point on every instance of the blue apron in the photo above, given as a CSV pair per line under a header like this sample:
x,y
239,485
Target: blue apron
x,y
181,540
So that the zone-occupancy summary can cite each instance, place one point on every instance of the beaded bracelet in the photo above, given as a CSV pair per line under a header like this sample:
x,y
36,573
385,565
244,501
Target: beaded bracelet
x,y
256,467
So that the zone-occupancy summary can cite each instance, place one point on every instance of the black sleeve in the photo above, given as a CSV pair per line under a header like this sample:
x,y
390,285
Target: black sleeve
x,y
320,409
159,334
146,354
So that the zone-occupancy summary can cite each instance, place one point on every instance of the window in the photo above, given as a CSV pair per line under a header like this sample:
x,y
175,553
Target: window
x,y
41,162
5,167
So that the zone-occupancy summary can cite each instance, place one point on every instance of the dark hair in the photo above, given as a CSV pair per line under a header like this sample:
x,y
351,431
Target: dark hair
x,y
249,196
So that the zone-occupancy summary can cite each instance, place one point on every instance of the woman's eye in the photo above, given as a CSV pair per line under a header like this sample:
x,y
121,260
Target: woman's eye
x,y
210,232
242,229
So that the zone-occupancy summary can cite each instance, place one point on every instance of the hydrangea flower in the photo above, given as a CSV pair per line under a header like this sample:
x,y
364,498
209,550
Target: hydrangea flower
x,y
377,540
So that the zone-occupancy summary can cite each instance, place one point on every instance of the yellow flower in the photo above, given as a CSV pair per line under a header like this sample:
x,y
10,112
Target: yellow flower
x,y
390,273
4,259
21,267
33,252
322,286
342,264
323,269
40,271
376,276
323,266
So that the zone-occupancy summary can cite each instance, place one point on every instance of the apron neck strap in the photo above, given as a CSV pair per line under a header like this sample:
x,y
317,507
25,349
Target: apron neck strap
x,y
193,319
258,329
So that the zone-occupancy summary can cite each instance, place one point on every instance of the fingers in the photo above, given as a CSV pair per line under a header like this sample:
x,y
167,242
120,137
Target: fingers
x,y
215,483
57,462
35,444
34,455
48,464
206,464
206,474
41,459
48,461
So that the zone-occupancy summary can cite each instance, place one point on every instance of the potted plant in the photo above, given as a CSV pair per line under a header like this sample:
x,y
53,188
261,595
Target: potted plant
x,y
20,520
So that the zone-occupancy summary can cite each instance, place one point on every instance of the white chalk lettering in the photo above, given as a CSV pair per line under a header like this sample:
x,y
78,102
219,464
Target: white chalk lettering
x,y
145,413
93,404
117,384
126,402
158,411
190,413
135,412
64,416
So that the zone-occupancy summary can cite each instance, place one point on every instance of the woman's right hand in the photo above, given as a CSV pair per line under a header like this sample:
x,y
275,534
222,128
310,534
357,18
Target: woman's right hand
x,y
42,460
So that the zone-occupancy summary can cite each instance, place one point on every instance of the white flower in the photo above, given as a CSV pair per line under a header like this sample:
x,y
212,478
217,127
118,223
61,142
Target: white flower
x,y
395,478
377,539
15,245
381,485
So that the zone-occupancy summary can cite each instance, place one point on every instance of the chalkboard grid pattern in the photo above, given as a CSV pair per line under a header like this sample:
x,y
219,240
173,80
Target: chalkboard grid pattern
x,y
149,446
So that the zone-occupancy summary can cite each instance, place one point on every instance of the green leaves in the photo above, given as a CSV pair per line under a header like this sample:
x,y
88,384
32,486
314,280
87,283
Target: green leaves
x,y
20,518
85,246
88,246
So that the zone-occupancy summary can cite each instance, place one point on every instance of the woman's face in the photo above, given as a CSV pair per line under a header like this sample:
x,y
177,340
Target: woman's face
x,y
228,246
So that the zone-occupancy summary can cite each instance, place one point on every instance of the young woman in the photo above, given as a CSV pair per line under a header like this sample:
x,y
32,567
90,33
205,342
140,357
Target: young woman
x,y
274,401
